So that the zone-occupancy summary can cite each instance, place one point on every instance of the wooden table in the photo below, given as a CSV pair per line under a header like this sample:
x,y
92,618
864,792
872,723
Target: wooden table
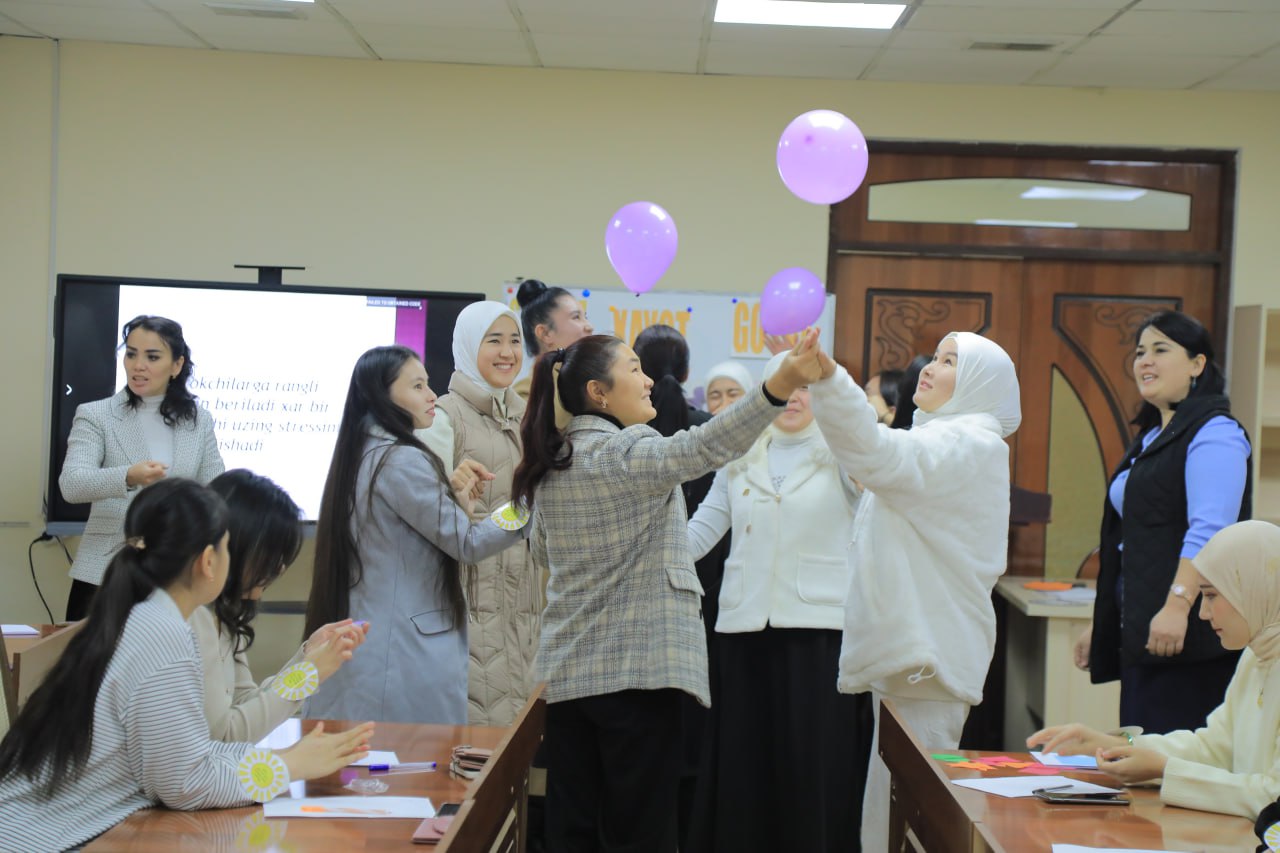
x,y
950,819
164,831
1043,687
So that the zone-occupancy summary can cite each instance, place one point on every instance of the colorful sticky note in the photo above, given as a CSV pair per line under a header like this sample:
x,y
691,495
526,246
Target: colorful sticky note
x,y
994,759
1047,586
972,765
943,756
1040,770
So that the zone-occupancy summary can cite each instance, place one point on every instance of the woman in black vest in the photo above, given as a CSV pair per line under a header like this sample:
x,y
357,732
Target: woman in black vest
x,y
1184,478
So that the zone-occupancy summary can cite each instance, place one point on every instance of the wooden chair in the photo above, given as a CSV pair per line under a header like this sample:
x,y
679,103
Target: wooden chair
x,y
1090,566
922,806
8,702
34,662
492,817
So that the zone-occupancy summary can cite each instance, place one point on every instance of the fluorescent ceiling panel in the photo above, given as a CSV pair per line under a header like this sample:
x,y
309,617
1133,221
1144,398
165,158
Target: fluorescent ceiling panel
x,y
803,13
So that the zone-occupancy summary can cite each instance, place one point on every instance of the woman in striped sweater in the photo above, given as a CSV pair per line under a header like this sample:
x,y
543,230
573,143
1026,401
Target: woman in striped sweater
x,y
118,724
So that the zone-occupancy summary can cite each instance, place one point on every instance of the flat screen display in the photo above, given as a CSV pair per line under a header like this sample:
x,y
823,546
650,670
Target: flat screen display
x,y
271,363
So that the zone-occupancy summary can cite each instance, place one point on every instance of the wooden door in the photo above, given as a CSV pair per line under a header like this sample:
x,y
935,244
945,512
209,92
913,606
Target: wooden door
x,y
1067,324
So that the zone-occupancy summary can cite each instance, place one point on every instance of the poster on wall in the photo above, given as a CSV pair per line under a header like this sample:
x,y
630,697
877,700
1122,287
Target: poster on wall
x,y
718,326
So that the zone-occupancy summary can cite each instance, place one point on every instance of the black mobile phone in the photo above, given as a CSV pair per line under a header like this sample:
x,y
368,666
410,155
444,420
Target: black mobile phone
x,y
448,809
1083,799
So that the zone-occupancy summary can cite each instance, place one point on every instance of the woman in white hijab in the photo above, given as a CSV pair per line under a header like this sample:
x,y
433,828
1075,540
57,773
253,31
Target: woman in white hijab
x,y
726,383
482,414
1232,765
777,639
928,545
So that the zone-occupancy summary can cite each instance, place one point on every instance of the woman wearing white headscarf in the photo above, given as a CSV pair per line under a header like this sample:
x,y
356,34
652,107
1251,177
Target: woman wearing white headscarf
x,y
504,593
1232,765
781,608
726,383
928,545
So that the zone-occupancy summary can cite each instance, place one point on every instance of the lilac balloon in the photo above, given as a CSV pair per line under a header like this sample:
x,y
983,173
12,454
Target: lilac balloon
x,y
791,302
822,157
641,243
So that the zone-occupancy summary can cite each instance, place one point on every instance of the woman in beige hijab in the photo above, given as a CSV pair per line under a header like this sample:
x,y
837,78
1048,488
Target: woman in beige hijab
x,y
1232,765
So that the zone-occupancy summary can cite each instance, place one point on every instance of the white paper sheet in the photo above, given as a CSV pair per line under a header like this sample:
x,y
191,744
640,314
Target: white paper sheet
x,y
1076,848
377,757
352,807
19,631
1053,759
1026,786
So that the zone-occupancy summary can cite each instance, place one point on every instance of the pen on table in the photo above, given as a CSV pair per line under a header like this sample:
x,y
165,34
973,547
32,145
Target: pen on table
x,y
1054,788
405,767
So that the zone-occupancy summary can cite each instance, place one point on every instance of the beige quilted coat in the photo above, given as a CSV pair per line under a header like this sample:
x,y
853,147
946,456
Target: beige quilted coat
x,y
504,592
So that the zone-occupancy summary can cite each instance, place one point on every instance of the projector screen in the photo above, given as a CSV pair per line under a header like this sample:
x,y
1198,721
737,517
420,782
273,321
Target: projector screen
x,y
271,363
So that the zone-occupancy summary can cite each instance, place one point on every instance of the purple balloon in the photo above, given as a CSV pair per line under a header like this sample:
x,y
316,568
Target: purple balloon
x,y
822,157
791,302
641,243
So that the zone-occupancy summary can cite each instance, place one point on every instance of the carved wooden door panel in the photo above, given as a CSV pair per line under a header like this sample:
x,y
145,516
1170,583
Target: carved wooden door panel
x,y
1067,325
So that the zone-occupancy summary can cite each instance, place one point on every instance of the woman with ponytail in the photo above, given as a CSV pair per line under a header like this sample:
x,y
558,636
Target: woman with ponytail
x,y
265,537
622,635
389,542
118,724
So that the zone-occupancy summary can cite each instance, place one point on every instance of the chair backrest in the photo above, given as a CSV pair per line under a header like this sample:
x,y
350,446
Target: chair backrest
x,y
492,816
8,701
1090,566
33,663
920,797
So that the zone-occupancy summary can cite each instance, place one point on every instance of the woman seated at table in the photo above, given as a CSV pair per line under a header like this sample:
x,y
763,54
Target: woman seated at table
x,y
1232,765
118,725
265,536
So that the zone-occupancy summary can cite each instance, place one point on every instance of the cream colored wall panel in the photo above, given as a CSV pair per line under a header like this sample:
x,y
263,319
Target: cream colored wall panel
x,y
1150,72
617,52
788,60
981,67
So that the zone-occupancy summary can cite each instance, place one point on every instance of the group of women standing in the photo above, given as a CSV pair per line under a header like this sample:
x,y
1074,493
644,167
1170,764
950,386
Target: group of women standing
x,y
858,563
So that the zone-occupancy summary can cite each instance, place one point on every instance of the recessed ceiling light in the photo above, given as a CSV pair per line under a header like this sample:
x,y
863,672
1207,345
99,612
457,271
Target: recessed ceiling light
x,y
1084,193
1027,223
804,13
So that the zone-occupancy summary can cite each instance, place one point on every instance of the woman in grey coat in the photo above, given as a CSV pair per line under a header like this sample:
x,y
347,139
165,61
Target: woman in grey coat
x,y
390,536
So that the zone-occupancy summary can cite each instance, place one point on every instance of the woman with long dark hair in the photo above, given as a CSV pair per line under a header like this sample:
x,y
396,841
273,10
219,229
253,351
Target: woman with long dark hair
x,y
389,541
1184,478
152,428
265,537
622,635
117,725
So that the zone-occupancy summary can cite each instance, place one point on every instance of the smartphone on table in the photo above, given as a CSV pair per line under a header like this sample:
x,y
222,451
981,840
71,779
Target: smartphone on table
x,y
1049,795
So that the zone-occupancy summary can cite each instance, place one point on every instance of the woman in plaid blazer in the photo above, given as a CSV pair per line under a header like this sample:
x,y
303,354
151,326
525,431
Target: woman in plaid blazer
x,y
622,634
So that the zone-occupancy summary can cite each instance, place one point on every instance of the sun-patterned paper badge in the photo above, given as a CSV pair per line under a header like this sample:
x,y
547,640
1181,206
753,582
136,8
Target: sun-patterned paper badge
x,y
510,517
1271,837
263,775
297,682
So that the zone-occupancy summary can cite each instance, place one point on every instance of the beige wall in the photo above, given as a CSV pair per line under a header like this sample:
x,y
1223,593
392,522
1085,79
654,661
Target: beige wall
x,y
176,163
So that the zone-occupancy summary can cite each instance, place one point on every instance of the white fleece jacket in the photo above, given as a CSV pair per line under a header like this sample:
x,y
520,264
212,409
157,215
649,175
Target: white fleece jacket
x,y
929,543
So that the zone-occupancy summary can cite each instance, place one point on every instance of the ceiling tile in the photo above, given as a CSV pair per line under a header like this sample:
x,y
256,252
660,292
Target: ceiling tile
x,y
1008,68
1206,43
1222,24
467,14
1207,5
436,44
590,24
824,36
1132,72
683,10
1113,5
132,24
1013,19
926,40
621,53
10,27
787,60
1261,74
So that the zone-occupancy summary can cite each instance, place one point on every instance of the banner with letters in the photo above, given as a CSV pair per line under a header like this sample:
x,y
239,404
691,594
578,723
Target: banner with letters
x,y
718,326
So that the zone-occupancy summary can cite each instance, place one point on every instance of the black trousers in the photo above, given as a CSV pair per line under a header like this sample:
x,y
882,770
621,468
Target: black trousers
x,y
79,599
613,769
1164,698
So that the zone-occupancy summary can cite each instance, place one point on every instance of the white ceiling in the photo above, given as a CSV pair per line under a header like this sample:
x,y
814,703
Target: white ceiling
x,y
1149,44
